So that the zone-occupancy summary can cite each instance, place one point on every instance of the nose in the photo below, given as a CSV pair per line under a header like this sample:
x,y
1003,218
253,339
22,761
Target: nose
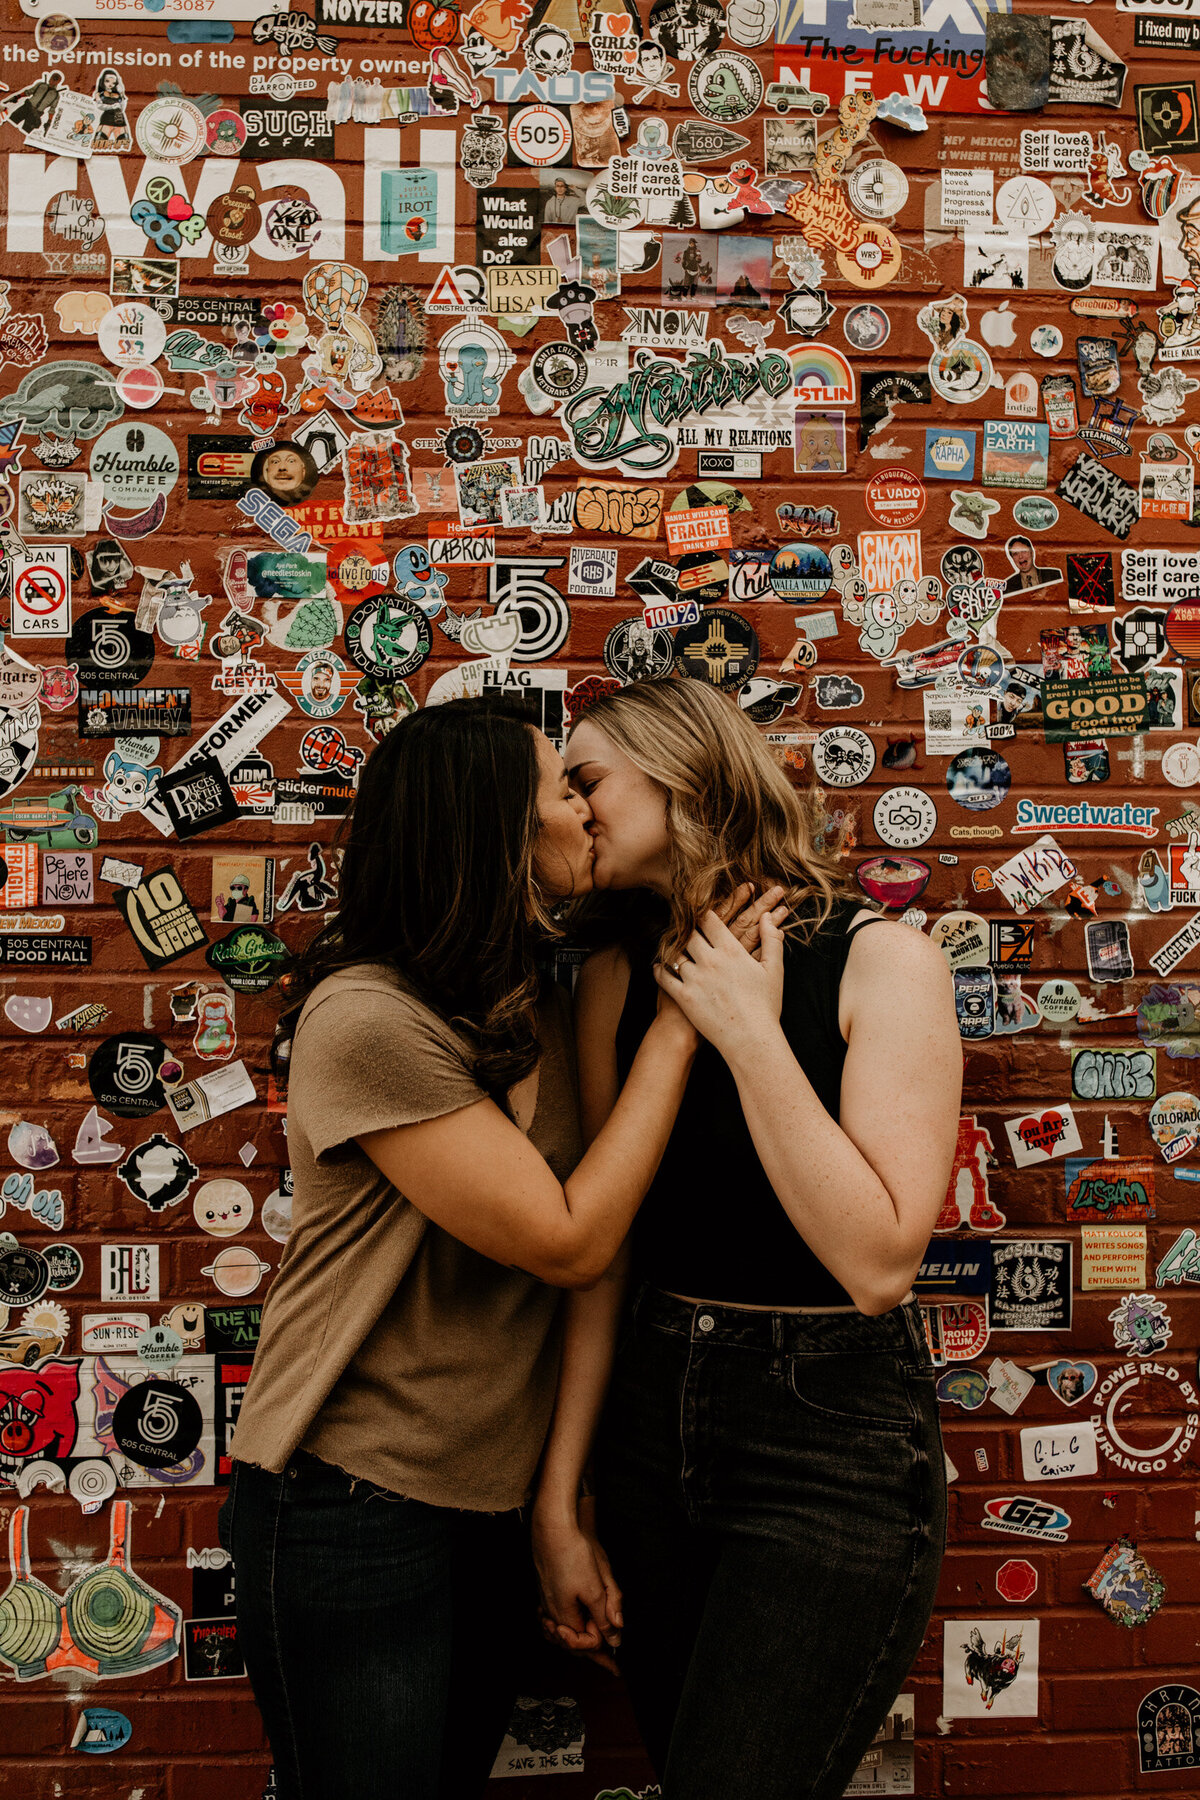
x,y
582,806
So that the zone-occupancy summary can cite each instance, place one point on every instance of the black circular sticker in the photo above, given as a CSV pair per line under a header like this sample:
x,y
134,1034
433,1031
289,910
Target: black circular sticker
x,y
65,1265
635,651
157,1423
124,1074
24,1275
961,562
720,648
559,370
108,648
388,635
248,959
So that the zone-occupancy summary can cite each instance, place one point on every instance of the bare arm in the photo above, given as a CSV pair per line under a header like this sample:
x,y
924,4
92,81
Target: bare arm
x,y
580,1599
863,1193
590,1322
477,1176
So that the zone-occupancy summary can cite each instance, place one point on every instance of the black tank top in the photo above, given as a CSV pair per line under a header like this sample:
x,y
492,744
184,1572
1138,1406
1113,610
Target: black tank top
x,y
711,1225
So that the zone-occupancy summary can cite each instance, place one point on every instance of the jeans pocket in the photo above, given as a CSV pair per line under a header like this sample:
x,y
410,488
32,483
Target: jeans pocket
x,y
865,1389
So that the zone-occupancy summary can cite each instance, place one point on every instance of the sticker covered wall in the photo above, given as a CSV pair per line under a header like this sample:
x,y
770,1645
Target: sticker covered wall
x,y
843,354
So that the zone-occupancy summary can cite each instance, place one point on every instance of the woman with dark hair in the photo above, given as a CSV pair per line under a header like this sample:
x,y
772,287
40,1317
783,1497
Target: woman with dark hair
x,y
401,1390
769,1476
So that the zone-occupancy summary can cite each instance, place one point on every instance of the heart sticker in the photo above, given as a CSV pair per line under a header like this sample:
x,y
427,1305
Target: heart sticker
x,y
1071,1381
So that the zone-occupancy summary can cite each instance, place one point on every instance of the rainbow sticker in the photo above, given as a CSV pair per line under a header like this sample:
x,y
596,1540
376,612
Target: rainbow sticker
x,y
821,374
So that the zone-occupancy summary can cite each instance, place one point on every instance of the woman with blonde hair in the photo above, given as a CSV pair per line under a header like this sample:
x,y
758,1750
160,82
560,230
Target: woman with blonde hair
x,y
769,1475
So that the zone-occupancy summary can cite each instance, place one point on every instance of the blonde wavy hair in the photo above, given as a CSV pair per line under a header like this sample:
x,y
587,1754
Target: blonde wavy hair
x,y
732,813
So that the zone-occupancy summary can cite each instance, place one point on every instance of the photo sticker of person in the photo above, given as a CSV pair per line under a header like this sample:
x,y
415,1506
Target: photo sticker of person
x,y
287,472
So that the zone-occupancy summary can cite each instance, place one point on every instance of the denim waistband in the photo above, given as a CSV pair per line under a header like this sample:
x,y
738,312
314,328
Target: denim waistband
x,y
794,1334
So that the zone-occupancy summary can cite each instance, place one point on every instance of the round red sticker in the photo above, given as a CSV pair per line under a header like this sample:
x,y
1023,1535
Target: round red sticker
x,y
895,497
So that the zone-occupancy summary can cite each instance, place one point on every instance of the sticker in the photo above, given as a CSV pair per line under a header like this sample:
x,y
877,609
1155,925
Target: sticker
x,y
1109,957
1168,1720
236,1271
157,1424
223,1207
1031,1284
1015,454
895,497
1039,1137
1071,1382
1010,1385
1113,1074
41,593
636,651
949,454
1167,118
962,937
248,958
126,1075
978,779
1109,1188
1140,1323
894,881
1065,1453
866,327
990,1668
1125,1585
1181,1262
98,1729
129,1272
967,1388
1112,1256
722,648
210,1096
210,1649
1026,1517
725,87
161,918
157,1172
198,798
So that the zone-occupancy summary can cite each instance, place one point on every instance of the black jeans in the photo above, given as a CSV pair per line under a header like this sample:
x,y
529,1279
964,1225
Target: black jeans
x,y
373,1629
771,1492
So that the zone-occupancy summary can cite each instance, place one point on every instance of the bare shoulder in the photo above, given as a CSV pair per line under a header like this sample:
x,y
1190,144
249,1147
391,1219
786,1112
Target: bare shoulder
x,y
898,957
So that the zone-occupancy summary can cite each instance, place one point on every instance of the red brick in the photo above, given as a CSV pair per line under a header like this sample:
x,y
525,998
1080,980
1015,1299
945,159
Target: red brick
x,y
1040,1765
1172,1638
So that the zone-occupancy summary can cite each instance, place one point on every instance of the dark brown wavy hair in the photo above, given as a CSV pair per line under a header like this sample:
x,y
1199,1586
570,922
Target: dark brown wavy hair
x,y
438,882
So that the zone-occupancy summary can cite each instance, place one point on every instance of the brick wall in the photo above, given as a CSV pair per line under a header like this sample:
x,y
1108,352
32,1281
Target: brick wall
x,y
193,1740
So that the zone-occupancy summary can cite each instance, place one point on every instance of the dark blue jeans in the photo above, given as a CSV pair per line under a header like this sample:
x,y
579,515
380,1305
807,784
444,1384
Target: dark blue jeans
x,y
771,1492
373,1630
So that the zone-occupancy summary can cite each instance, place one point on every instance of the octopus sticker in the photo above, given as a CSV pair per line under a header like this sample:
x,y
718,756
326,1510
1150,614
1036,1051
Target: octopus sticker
x,y
473,360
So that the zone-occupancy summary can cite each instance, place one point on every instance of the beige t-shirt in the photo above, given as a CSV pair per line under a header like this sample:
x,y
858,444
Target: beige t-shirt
x,y
388,1347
